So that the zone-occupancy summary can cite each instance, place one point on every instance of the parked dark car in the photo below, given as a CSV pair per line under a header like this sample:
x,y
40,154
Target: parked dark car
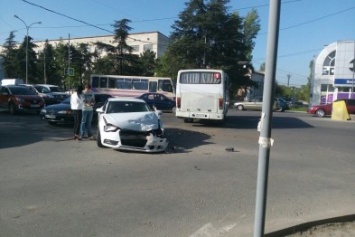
x,y
49,98
19,99
61,113
326,109
159,101
53,92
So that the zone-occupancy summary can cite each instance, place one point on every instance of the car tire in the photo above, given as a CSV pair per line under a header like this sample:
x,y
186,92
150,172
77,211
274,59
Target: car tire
x,y
173,110
98,139
52,123
240,107
188,120
12,108
320,113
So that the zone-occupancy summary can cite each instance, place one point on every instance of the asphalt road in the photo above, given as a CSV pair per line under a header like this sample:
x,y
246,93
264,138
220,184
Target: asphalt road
x,y
53,186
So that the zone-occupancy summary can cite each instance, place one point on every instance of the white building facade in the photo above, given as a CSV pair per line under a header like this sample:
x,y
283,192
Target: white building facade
x,y
140,42
333,73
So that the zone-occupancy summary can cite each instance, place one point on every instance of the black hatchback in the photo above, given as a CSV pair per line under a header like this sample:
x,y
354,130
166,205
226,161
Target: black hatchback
x,y
159,101
62,113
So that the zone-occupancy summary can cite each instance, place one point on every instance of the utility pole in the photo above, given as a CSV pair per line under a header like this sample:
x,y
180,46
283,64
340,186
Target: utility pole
x,y
44,65
264,126
288,80
27,28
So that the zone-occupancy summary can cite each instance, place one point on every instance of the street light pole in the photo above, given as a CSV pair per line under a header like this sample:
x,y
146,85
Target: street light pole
x,y
27,28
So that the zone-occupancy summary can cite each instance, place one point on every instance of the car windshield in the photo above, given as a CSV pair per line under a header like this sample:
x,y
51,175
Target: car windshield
x,y
54,89
21,91
126,107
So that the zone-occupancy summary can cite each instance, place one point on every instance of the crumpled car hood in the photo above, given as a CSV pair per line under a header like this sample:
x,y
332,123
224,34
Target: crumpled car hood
x,y
140,121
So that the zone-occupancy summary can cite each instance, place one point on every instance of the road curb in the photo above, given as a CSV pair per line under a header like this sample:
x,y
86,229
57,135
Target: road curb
x,y
308,225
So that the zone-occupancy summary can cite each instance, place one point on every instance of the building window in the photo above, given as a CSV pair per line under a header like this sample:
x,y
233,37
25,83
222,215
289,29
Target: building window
x,y
327,88
329,64
148,47
135,48
343,89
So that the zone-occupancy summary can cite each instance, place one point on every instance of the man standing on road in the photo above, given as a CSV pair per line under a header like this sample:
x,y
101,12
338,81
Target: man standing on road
x,y
76,105
89,101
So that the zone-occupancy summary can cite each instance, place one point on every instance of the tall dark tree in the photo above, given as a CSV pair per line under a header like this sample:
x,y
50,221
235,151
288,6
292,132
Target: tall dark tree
x,y
206,35
147,63
121,53
47,65
33,75
9,53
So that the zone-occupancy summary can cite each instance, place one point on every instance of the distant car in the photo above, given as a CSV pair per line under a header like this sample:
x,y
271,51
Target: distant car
x,y
130,124
49,98
159,101
19,99
322,110
62,113
52,91
257,103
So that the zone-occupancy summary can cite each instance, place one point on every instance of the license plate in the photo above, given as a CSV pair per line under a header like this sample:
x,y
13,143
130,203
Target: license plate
x,y
34,106
200,115
50,116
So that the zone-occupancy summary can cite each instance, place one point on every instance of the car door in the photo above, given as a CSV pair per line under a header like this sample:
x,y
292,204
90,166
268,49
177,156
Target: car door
x,y
160,103
4,95
350,105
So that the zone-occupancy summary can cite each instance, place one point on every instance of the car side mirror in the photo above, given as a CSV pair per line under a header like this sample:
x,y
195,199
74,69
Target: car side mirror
x,y
100,110
159,112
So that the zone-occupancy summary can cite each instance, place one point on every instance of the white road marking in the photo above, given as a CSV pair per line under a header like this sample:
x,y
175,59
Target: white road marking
x,y
209,230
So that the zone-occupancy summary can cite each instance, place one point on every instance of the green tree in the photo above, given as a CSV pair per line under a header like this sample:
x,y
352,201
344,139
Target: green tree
x,y
251,29
147,63
8,54
206,35
121,54
47,64
33,76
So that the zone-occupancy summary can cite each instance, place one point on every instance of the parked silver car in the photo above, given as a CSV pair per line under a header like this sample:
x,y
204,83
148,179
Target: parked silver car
x,y
257,104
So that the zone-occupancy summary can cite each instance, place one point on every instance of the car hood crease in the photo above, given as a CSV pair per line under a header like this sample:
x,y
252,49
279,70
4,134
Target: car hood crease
x,y
134,121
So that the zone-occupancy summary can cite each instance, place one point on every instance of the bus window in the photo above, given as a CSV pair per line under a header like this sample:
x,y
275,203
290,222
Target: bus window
x,y
95,82
103,82
140,84
165,85
124,83
111,82
153,86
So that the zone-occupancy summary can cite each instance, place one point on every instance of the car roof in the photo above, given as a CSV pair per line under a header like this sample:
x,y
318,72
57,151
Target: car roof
x,y
127,99
14,86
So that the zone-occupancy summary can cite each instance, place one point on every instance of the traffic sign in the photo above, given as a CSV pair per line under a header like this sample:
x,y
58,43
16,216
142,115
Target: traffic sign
x,y
69,71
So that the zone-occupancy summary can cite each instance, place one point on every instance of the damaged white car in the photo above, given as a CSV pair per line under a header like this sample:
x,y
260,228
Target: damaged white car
x,y
130,124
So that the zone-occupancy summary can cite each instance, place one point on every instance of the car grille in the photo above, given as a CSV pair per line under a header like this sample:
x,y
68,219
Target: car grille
x,y
34,101
133,138
60,97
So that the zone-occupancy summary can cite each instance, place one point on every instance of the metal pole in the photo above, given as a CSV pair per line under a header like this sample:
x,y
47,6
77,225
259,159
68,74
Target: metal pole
x,y
352,90
265,141
27,28
44,65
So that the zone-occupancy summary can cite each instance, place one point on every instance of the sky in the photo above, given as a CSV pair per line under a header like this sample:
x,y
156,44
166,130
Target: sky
x,y
306,26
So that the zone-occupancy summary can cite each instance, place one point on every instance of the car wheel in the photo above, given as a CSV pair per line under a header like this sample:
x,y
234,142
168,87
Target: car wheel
x,y
52,123
240,107
98,139
173,110
320,113
12,108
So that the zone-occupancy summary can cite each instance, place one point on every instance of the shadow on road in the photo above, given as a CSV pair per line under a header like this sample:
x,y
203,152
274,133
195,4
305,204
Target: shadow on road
x,y
181,140
251,122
